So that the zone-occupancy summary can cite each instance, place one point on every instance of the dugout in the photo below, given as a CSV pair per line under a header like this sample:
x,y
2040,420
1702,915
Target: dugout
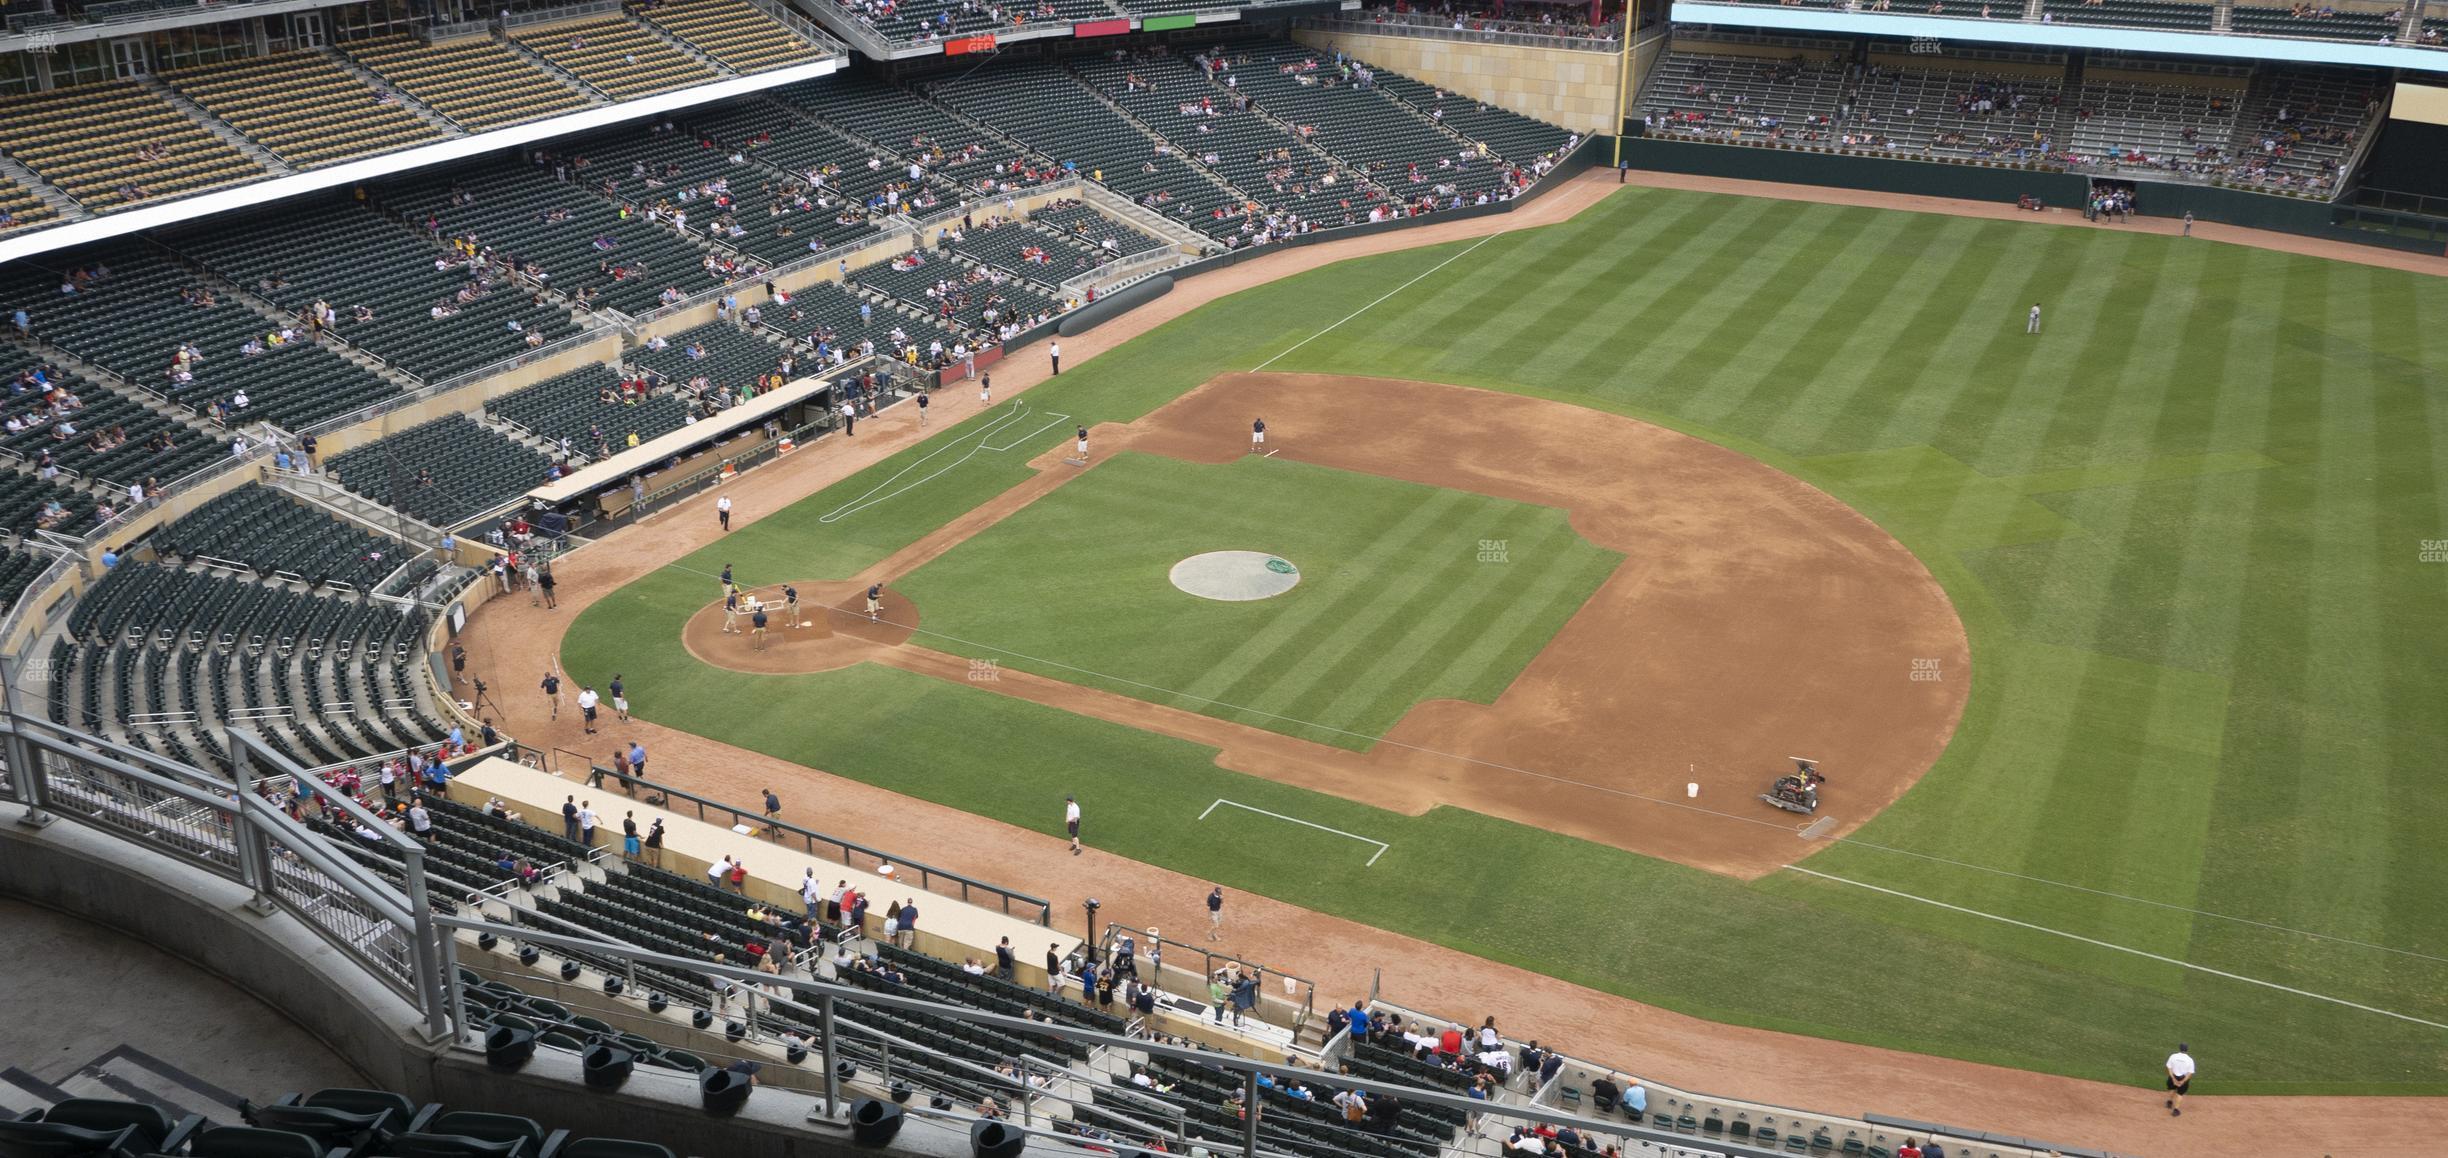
x,y
610,491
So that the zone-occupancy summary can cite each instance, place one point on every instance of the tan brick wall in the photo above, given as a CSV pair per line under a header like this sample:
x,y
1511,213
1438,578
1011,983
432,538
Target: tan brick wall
x,y
1568,87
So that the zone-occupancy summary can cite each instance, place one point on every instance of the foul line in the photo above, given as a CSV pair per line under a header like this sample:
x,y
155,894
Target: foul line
x,y
1372,305
871,498
1381,845
1642,797
2122,948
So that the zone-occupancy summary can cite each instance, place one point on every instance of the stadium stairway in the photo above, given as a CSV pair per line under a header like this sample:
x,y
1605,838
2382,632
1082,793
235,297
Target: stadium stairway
x,y
544,64
229,133
703,58
402,97
122,1074
61,205
229,289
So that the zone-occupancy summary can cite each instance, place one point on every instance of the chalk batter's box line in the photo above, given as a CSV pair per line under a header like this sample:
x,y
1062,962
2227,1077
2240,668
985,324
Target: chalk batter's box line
x,y
1381,845
1018,412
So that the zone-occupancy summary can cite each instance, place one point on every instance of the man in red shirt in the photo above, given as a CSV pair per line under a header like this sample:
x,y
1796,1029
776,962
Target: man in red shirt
x,y
1908,1150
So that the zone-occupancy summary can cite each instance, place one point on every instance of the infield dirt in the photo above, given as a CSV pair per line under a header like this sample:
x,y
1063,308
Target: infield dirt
x,y
1754,618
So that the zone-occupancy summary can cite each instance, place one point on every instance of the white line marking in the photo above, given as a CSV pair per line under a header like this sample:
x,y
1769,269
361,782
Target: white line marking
x,y
1270,454
1372,305
1381,845
2124,949
871,498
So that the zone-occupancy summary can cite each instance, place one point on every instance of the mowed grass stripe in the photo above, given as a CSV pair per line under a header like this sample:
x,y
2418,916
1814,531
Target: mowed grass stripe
x,y
1435,584
1862,402
1653,287
1706,285
1245,672
1657,243
2413,910
1852,319
1992,345
1761,291
1846,275
1486,623
1515,621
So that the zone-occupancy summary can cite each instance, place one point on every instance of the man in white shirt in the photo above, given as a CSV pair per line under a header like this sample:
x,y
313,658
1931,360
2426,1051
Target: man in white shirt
x,y
722,512
1071,819
2179,1077
811,893
586,823
587,699
720,870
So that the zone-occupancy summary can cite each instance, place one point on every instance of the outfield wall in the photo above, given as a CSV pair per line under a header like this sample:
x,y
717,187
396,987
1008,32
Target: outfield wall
x,y
2002,184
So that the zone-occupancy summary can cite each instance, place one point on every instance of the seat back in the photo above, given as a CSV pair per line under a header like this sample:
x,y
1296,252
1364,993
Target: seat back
x,y
253,1142
60,1140
152,1125
614,1148
322,1123
362,1101
456,1146
490,1127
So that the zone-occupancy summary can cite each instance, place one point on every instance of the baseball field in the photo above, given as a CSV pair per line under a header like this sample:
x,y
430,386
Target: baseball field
x,y
2122,645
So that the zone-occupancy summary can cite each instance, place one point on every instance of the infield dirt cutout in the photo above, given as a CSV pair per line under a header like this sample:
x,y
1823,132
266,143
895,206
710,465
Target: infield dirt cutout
x,y
1753,618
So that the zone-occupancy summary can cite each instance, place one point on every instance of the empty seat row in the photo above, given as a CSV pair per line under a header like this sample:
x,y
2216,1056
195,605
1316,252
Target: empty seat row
x,y
444,472
115,143
478,83
303,106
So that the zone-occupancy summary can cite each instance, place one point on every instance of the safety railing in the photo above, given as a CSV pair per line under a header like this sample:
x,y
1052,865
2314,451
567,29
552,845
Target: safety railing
x,y
30,600
350,895
800,26
538,354
1113,274
209,824
1290,1011
821,1022
557,13
1526,33
441,31
967,889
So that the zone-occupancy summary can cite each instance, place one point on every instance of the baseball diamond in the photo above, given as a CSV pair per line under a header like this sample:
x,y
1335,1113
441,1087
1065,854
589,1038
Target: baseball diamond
x,y
732,579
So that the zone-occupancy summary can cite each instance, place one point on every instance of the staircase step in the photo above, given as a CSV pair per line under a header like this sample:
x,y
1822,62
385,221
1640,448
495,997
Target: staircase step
x,y
253,150
21,1091
166,1083
374,81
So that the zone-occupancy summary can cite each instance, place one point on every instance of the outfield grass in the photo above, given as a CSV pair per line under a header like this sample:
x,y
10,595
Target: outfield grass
x,y
2184,528
1393,607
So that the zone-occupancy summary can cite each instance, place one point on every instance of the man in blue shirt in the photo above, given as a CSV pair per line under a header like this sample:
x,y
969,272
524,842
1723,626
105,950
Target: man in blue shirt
x,y
1358,1021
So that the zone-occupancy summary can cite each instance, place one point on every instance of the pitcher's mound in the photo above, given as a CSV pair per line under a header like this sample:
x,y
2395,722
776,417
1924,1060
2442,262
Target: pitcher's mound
x,y
835,631
1235,576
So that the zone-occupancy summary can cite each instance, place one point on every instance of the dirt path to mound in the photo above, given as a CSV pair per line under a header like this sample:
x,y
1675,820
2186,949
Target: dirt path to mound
x,y
1753,618
512,644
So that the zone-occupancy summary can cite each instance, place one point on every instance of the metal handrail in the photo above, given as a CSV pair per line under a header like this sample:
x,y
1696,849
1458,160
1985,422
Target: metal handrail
x,y
1210,959
557,13
820,1000
812,839
1610,41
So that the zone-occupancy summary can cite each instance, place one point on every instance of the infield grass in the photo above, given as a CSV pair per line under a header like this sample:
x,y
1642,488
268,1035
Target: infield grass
x,y
1394,605
2186,528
